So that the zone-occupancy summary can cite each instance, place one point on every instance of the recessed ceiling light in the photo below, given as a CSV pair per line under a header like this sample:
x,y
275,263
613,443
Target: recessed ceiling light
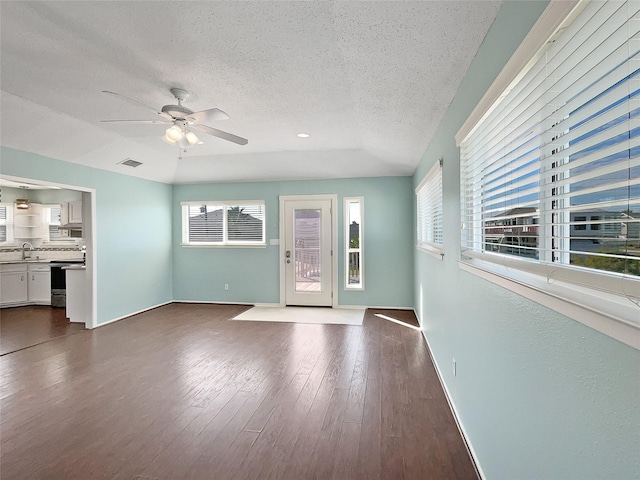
x,y
303,135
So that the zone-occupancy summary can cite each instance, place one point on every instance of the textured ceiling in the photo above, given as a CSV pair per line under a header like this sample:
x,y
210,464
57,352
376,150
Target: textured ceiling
x,y
370,81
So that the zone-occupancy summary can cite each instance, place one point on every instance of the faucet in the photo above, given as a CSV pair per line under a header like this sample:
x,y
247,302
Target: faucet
x,y
24,250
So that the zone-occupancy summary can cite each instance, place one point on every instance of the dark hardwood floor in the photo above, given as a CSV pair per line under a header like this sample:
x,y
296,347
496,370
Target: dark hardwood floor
x,y
183,392
22,327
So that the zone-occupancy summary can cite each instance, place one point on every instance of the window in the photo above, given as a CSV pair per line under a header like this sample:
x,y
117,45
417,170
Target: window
x,y
52,221
558,151
223,223
353,234
429,211
6,223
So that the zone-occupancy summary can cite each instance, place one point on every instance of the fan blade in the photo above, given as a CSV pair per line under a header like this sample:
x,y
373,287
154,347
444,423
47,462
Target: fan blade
x,y
220,134
154,122
206,116
136,102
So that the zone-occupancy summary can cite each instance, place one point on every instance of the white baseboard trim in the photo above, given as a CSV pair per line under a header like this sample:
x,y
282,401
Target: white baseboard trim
x,y
345,307
358,307
452,407
212,302
132,314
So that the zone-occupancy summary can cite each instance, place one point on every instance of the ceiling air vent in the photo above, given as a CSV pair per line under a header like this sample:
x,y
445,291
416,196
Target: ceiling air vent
x,y
130,163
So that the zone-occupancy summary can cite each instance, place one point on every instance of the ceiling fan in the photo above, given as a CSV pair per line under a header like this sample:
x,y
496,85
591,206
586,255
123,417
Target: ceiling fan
x,y
183,121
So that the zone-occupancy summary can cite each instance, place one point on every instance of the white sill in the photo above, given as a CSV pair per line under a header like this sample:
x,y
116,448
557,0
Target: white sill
x,y
224,245
431,250
609,314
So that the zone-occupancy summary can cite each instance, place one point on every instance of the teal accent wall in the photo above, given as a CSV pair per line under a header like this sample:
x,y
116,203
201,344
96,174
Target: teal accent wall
x,y
539,395
133,228
253,274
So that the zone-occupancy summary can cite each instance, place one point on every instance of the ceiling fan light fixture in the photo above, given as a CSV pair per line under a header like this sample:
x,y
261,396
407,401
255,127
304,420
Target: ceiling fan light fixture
x,y
192,138
166,139
181,119
174,133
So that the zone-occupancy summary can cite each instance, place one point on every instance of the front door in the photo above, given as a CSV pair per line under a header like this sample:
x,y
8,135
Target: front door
x,y
307,252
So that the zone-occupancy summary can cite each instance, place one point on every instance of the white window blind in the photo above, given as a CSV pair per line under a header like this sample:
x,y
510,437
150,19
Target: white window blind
x,y
6,223
429,210
52,220
552,173
3,224
222,223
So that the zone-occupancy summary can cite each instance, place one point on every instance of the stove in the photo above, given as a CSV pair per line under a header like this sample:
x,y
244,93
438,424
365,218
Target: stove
x,y
59,280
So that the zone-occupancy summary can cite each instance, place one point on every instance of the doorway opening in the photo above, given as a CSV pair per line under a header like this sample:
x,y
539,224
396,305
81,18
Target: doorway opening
x,y
55,233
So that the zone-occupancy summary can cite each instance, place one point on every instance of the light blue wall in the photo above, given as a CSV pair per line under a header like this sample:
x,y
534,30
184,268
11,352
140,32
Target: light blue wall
x,y
10,195
539,395
133,220
56,196
253,273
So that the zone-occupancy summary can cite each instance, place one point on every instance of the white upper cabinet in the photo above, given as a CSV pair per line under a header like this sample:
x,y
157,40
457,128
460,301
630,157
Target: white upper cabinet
x,y
71,212
75,212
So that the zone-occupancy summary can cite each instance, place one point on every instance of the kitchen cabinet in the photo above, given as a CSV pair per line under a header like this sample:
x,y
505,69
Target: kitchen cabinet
x,y
76,290
39,284
71,212
13,284
25,284
75,212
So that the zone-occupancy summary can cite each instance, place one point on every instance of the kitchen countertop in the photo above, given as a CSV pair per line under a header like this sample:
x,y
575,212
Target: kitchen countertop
x,y
74,267
42,260
25,261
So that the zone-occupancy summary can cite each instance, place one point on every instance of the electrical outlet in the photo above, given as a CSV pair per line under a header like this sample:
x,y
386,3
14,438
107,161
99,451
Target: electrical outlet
x,y
454,367
226,286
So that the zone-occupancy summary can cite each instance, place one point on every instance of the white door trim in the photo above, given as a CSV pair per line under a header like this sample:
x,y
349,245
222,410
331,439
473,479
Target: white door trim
x,y
334,242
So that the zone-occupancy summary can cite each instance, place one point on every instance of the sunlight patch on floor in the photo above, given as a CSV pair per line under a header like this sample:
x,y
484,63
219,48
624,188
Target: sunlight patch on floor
x,y
399,322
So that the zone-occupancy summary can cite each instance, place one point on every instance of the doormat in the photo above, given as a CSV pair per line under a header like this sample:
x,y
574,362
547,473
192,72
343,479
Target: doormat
x,y
319,315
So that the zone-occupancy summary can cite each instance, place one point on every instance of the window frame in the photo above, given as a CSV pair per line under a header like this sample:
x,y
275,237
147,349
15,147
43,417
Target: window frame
x,y
225,243
347,248
605,301
429,188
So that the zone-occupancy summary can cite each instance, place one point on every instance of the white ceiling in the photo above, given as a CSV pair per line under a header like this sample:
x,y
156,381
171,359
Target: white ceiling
x,y
370,81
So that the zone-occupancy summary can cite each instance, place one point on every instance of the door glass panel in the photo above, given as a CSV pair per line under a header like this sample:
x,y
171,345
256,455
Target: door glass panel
x,y
307,231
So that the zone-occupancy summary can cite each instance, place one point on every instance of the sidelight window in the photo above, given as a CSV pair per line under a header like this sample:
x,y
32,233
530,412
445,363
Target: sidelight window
x,y
353,233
